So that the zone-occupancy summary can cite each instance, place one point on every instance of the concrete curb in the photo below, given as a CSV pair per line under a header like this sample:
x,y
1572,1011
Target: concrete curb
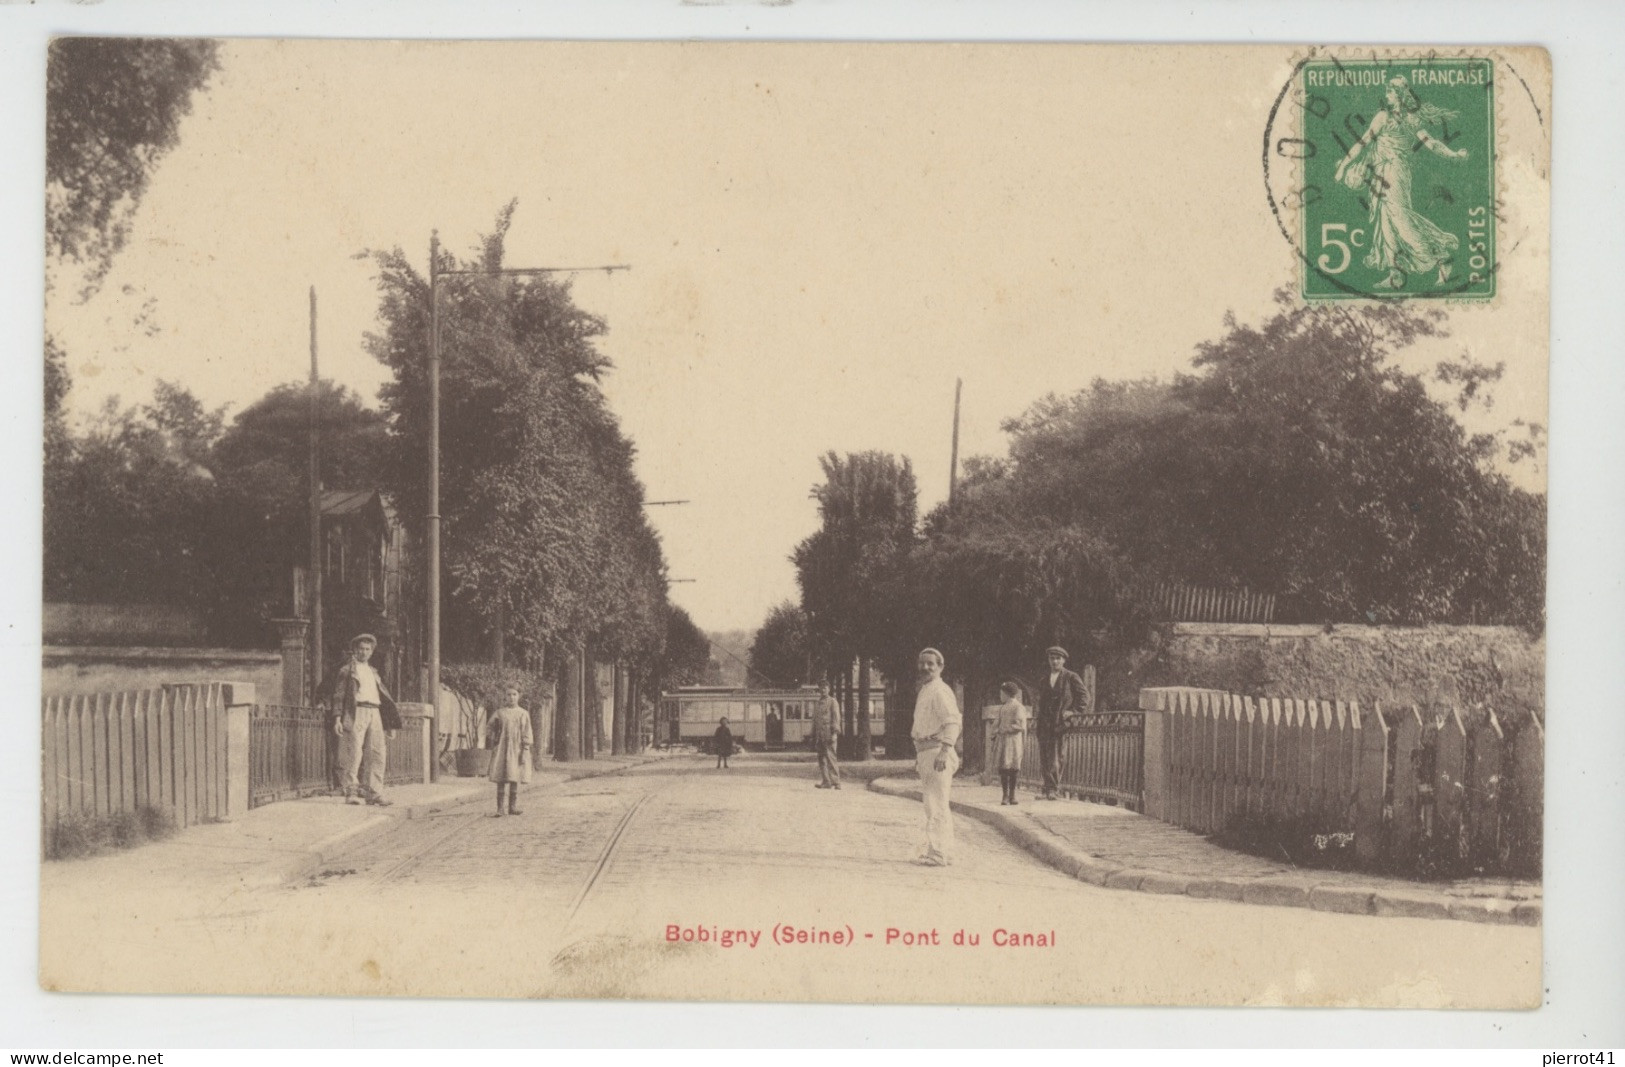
x,y
311,859
1417,901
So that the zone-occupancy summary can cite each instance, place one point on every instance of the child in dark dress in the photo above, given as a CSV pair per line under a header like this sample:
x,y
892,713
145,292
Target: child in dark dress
x,y
724,742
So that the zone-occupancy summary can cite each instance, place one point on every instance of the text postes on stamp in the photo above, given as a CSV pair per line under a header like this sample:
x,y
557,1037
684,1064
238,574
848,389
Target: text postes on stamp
x,y
1398,178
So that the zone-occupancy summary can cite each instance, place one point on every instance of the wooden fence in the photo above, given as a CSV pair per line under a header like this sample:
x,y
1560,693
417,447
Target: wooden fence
x,y
1192,603
1402,780
106,754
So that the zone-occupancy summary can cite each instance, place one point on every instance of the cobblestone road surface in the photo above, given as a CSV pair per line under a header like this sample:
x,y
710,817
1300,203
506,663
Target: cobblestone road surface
x,y
677,881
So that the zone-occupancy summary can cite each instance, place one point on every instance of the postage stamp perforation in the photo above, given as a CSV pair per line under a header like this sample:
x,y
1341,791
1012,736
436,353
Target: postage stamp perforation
x,y
1463,255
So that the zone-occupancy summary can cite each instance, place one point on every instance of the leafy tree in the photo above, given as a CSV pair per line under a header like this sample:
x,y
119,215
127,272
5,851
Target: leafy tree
x,y
167,504
130,508
262,465
989,594
1297,459
114,106
686,652
543,523
868,504
265,451
781,654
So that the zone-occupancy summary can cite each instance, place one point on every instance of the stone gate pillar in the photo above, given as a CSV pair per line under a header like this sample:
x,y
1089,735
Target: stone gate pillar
x,y
297,688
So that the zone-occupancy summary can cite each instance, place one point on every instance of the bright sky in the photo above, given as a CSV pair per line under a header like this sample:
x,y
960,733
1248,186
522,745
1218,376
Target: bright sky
x,y
823,238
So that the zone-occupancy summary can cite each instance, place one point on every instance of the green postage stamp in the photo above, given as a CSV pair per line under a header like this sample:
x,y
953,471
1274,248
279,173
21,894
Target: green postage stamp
x,y
1398,189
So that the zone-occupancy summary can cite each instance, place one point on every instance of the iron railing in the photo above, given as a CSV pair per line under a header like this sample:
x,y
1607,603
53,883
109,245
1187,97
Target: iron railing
x,y
1102,758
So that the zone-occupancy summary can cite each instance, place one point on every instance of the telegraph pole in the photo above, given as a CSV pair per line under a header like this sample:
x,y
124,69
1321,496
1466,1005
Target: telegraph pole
x,y
953,461
314,586
433,545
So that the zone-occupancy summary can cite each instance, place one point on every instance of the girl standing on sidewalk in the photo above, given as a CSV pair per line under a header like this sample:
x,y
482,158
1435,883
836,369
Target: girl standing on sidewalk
x,y
724,742
1010,730
510,759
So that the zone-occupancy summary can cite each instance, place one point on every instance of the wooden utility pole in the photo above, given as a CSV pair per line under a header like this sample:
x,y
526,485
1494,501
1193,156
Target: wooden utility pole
x,y
431,546
953,459
314,586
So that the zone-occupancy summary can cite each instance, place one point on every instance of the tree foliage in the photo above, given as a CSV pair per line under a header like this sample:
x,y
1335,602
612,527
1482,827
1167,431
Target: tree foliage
x,y
543,515
685,654
1299,460
868,507
166,503
114,106
1294,458
264,454
988,596
129,506
781,655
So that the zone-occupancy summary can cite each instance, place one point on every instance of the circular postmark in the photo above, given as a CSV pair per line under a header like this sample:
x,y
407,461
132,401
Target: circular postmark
x,y
1380,171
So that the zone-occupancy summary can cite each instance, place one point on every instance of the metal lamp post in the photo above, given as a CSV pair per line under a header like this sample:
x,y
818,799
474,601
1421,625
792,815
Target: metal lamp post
x,y
436,275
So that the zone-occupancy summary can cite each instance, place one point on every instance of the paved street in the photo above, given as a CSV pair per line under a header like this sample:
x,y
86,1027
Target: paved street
x,y
575,898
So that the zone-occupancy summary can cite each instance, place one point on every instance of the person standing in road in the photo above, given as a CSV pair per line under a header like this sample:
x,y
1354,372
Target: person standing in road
x,y
364,715
510,758
1060,694
937,722
1009,732
723,742
826,728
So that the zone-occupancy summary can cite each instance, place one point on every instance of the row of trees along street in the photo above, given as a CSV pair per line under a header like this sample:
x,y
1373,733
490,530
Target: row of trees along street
x,y
545,541
1295,458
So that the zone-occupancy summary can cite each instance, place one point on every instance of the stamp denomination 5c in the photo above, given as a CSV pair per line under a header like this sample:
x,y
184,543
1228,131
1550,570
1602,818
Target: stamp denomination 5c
x,y
1398,178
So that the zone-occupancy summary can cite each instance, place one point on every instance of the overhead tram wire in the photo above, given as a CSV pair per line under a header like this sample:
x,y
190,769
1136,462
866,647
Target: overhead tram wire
x,y
749,670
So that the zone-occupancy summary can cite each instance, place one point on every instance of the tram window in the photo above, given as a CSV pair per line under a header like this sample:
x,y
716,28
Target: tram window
x,y
792,711
704,711
752,711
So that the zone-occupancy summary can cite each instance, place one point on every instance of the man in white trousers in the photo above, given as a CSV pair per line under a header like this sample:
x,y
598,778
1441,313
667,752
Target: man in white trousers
x,y
364,714
937,723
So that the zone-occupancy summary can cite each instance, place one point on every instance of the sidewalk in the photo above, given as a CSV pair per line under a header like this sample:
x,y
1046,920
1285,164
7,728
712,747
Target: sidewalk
x,y
275,843
1120,849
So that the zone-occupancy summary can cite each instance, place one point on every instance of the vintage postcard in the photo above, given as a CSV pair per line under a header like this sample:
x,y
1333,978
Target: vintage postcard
x,y
856,523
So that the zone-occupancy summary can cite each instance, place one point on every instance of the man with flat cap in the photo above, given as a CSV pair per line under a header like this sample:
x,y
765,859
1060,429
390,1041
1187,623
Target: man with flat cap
x,y
363,715
1060,693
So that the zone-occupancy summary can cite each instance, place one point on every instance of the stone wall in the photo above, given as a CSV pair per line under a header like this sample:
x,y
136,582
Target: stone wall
x,y
162,625
69,670
1501,665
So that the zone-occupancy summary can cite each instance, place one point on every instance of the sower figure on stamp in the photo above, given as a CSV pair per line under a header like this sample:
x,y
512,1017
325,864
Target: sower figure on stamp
x,y
937,723
826,724
1060,694
363,714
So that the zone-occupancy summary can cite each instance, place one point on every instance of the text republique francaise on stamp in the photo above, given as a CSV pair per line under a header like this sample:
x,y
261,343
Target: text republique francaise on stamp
x,y
1397,190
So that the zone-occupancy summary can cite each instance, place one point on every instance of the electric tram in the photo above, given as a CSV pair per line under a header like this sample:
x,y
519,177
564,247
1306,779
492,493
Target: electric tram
x,y
760,718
